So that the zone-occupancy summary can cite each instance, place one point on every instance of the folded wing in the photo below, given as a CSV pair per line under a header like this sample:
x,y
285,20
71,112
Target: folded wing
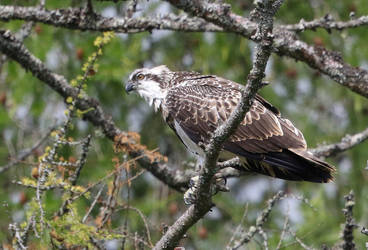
x,y
268,143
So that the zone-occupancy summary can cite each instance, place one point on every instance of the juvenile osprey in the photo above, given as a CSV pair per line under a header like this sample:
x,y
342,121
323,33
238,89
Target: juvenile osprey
x,y
194,105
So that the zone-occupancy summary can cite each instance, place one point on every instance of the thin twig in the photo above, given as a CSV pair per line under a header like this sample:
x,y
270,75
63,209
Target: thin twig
x,y
346,143
139,212
21,236
284,230
238,229
126,170
85,146
261,219
300,242
347,235
106,177
93,204
43,188
110,205
27,152
19,244
328,23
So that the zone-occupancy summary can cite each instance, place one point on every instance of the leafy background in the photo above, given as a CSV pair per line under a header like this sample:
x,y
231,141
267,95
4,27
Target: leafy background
x,y
322,109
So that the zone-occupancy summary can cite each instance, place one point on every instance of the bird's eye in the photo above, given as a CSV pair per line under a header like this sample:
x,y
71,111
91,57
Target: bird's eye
x,y
140,77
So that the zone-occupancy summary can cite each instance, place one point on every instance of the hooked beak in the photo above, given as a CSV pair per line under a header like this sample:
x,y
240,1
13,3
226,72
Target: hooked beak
x,y
130,87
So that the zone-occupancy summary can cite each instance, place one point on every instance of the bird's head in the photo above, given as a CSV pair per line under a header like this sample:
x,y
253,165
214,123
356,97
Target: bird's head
x,y
151,84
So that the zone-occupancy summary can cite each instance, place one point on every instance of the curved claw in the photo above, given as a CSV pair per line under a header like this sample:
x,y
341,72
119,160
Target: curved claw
x,y
190,196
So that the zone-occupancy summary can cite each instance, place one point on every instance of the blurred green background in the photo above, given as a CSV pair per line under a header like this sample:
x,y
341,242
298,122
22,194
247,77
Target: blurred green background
x,y
323,110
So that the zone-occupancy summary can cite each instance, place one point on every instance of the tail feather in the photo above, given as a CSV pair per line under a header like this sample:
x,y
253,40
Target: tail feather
x,y
296,165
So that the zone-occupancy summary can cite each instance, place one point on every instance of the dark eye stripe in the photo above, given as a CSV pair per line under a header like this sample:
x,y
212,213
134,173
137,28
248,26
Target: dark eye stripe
x,y
134,75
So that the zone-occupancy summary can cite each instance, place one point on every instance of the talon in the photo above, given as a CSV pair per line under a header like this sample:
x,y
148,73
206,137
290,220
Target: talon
x,y
193,182
190,195
220,185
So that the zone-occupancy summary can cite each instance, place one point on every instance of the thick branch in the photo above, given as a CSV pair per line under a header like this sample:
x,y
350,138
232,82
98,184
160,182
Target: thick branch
x,y
81,19
218,18
15,50
285,43
327,23
203,202
346,143
219,14
325,61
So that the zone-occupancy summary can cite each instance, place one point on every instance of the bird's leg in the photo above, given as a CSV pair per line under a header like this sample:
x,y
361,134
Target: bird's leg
x,y
190,195
218,185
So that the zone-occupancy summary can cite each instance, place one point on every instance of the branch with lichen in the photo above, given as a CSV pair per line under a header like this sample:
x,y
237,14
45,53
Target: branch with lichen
x,y
242,236
346,143
285,43
48,175
210,17
44,168
155,163
349,226
264,12
328,23
260,221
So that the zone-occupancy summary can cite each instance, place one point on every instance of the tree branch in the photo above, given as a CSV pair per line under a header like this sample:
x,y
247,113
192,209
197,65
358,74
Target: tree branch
x,y
217,18
81,19
15,50
327,62
264,12
327,23
261,220
346,143
347,234
23,155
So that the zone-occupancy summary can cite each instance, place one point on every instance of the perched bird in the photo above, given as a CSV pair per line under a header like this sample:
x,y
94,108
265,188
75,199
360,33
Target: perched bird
x,y
194,105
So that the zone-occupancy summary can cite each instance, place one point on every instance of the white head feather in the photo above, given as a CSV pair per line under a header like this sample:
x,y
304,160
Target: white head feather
x,y
149,89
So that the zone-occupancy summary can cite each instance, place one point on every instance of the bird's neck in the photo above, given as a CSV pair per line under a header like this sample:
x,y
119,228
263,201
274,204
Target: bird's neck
x,y
153,98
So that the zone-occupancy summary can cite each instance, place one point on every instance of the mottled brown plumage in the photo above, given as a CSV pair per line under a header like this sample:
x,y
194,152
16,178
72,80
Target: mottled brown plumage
x,y
194,105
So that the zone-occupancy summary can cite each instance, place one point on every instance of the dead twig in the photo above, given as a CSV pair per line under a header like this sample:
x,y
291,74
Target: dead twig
x,y
261,219
27,152
346,143
328,23
93,204
347,235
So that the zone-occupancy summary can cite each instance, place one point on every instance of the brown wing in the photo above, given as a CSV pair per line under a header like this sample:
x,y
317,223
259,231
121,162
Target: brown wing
x,y
201,107
270,144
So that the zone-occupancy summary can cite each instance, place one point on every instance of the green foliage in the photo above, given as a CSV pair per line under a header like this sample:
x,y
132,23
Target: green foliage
x,y
70,231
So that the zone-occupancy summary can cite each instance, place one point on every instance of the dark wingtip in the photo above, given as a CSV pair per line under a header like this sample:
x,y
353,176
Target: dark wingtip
x,y
290,165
